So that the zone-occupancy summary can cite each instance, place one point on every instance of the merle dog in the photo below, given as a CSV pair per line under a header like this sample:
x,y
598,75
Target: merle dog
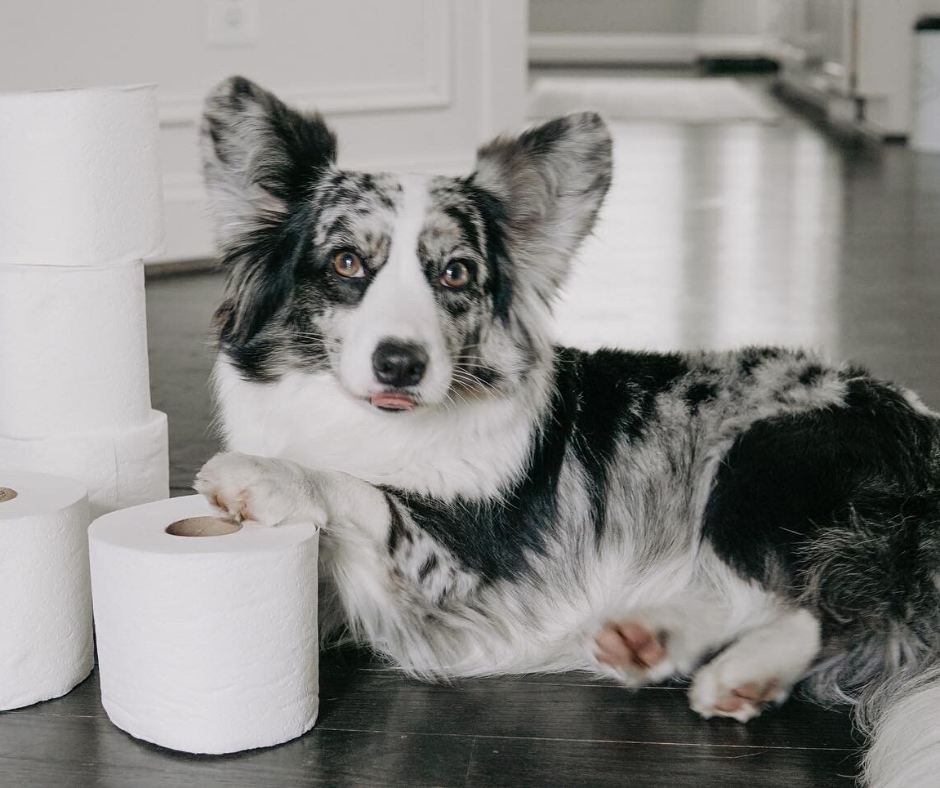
x,y
491,503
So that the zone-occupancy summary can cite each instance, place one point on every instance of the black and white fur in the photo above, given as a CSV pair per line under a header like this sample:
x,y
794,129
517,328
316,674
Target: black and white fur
x,y
753,519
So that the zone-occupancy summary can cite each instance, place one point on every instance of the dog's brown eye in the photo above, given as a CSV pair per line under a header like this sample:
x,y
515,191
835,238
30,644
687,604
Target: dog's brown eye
x,y
456,275
348,264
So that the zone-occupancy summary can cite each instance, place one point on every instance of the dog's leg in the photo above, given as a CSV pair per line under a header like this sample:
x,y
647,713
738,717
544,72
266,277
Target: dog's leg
x,y
259,490
652,644
393,581
357,520
759,668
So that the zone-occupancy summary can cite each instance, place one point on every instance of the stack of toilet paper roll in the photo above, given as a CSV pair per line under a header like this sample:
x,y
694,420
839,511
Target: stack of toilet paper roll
x,y
80,207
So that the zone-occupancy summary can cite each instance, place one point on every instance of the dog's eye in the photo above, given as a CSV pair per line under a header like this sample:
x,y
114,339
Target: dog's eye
x,y
348,264
457,274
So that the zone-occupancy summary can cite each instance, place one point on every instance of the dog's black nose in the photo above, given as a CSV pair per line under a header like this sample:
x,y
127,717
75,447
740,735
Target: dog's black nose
x,y
399,364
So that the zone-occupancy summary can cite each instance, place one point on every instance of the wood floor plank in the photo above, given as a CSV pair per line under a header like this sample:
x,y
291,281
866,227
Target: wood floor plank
x,y
70,741
361,696
321,757
377,727
517,762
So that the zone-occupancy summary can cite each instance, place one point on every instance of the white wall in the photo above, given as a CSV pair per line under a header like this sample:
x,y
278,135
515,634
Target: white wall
x,y
409,84
613,16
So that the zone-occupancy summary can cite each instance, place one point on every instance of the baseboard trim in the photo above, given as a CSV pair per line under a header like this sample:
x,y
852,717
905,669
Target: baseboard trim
x,y
643,49
558,48
715,65
828,112
159,269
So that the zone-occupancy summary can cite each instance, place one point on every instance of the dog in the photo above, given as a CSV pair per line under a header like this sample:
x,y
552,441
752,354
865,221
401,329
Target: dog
x,y
491,503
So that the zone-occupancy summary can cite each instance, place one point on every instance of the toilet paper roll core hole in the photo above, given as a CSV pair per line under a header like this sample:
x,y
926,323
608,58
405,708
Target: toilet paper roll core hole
x,y
203,526
7,494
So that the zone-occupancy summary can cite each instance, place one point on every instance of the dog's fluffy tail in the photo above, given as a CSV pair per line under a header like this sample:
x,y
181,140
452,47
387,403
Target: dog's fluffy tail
x,y
902,717
876,579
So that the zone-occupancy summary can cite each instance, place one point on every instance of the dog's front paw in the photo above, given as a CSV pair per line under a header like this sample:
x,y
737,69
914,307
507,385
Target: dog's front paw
x,y
260,490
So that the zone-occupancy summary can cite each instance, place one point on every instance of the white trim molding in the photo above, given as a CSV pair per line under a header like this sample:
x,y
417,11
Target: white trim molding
x,y
643,48
550,48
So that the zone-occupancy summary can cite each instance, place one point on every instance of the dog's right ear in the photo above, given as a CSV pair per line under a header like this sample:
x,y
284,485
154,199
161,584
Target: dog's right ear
x,y
261,160
259,156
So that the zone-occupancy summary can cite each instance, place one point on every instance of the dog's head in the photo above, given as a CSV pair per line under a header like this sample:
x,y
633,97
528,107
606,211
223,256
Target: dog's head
x,y
408,289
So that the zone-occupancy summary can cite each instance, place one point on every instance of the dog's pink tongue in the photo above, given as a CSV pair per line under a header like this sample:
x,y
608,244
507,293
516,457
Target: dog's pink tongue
x,y
393,401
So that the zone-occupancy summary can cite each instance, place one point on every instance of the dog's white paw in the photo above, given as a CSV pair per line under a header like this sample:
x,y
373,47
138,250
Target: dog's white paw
x,y
728,687
635,651
260,490
652,644
760,668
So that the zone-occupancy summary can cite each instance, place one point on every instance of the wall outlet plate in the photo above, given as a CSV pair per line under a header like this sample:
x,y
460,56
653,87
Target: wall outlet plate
x,y
233,23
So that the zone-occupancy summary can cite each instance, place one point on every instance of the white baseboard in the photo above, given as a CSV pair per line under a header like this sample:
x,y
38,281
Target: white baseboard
x,y
841,111
642,49
741,46
551,48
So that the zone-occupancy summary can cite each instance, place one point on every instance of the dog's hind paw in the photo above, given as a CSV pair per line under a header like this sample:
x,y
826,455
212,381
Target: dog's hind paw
x,y
260,490
635,651
712,697
757,670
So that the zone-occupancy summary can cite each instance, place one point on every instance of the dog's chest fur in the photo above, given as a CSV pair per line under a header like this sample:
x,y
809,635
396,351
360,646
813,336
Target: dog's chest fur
x,y
474,448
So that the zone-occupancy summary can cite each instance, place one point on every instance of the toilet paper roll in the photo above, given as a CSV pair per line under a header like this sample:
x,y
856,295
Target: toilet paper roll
x,y
73,350
206,643
120,469
79,176
46,645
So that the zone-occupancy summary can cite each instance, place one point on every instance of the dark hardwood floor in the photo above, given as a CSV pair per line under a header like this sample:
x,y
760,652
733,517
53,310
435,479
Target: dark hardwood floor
x,y
714,235
377,728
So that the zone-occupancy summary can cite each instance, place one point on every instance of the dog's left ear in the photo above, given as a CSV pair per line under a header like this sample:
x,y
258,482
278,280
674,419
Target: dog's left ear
x,y
551,181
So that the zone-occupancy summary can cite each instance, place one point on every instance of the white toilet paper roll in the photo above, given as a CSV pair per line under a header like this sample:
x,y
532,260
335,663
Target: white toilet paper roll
x,y
120,469
46,645
79,176
73,350
206,644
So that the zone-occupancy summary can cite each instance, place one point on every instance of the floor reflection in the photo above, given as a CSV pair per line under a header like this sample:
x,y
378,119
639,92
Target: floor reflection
x,y
712,237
